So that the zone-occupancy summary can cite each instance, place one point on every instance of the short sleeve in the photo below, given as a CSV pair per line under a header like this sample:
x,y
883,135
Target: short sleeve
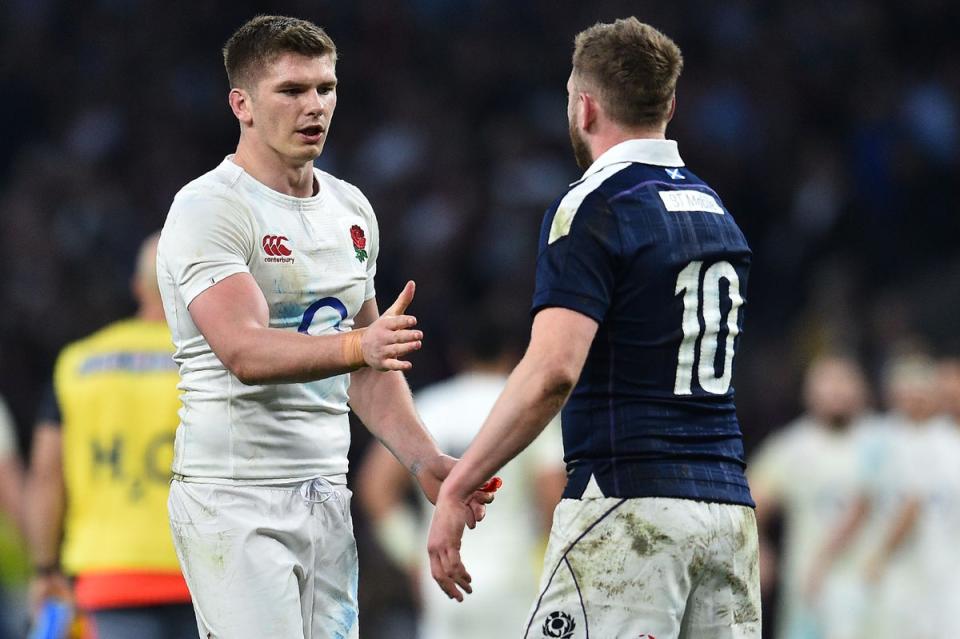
x,y
577,269
206,239
48,412
371,289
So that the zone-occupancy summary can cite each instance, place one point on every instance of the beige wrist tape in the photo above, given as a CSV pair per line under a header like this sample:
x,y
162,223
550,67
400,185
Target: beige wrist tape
x,y
351,348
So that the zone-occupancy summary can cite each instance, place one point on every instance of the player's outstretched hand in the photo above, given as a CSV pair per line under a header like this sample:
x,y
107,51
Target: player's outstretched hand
x,y
392,337
443,546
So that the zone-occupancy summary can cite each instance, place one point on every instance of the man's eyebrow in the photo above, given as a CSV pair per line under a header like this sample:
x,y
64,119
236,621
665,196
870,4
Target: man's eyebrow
x,y
299,84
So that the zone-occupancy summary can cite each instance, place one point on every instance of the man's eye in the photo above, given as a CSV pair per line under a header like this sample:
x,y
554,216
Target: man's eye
x,y
290,91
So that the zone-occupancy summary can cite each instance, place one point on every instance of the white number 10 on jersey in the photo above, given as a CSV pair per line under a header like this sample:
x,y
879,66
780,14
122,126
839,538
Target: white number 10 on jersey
x,y
688,283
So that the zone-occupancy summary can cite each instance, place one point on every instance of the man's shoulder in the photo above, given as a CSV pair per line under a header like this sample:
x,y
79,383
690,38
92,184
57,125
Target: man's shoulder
x,y
344,191
215,186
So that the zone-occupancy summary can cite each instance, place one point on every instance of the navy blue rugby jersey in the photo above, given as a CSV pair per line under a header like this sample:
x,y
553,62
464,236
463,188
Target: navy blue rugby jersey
x,y
647,249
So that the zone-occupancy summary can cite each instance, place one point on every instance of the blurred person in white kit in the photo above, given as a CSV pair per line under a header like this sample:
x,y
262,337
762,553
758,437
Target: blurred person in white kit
x,y
808,472
508,549
266,266
909,545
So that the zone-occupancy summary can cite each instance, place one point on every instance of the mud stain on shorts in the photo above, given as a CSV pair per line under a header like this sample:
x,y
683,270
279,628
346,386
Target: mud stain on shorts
x,y
646,538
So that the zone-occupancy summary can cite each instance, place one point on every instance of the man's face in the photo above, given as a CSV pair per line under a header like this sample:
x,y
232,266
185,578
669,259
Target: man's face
x,y
581,151
292,104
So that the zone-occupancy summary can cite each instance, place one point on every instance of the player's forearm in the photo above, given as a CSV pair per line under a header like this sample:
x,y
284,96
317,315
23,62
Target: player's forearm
x,y
43,520
383,403
534,394
903,525
271,356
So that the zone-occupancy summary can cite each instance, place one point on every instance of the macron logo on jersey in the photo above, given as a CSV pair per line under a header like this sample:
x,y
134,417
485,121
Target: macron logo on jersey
x,y
273,245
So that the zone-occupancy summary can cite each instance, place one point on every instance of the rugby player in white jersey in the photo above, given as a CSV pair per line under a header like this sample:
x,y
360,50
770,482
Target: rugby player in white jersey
x,y
809,473
266,266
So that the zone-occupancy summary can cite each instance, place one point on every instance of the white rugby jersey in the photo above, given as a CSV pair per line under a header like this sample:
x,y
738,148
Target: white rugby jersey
x,y
814,473
314,259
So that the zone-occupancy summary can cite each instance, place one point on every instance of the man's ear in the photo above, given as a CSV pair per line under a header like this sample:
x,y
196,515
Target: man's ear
x,y
673,107
240,105
589,110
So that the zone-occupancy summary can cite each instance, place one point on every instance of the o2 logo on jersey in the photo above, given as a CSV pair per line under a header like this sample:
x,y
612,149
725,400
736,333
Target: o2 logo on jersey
x,y
332,303
559,625
276,249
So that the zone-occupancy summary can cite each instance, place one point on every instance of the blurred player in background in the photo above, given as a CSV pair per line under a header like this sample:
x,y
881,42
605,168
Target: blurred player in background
x,y
641,279
99,473
809,472
507,551
911,491
266,268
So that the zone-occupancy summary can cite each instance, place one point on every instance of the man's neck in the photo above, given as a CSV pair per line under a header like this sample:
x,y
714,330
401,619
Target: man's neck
x,y
151,311
269,169
605,140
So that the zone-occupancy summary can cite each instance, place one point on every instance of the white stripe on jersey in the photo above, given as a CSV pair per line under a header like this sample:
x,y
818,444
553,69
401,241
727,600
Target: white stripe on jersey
x,y
570,204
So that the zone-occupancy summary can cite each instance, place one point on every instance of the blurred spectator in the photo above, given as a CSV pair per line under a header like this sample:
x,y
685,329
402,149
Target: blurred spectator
x,y
99,473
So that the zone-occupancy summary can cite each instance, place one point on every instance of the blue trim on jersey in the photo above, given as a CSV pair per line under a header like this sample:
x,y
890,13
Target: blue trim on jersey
x,y
629,422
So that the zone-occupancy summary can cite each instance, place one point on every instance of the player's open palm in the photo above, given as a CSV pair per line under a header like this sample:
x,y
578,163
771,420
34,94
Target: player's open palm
x,y
392,336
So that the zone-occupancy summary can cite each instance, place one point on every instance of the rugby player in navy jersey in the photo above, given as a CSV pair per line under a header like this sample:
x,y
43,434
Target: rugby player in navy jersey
x,y
640,286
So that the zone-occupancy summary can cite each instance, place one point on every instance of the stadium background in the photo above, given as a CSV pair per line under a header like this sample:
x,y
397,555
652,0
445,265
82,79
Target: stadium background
x,y
830,128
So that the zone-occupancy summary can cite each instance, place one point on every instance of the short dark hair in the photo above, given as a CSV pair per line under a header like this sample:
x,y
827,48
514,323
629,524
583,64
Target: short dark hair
x,y
632,66
263,38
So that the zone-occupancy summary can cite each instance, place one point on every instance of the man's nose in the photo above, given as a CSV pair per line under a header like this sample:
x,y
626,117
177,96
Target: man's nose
x,y
315,103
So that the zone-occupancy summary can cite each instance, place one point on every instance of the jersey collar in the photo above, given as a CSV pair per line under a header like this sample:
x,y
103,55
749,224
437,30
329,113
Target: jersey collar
x,y
646,151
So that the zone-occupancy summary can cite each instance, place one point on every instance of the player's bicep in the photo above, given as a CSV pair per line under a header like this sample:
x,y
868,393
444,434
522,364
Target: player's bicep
x,y
227,310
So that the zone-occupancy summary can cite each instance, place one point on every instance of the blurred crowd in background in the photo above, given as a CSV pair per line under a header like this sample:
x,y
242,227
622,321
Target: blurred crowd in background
x,y
830,129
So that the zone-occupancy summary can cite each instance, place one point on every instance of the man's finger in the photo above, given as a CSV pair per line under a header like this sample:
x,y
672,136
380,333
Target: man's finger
x,y
397,322
478,510
446,585
396,351
492,485
396,365
453,569
400,337
403,300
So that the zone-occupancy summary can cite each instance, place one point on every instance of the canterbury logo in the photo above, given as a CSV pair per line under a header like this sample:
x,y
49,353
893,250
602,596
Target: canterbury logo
x,y
274,245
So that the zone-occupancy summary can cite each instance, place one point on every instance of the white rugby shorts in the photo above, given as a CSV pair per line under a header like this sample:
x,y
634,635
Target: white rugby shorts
x,y
648,568
277,562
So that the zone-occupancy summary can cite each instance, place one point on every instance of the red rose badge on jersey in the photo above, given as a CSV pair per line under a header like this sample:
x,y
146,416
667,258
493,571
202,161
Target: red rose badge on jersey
x,y
359,242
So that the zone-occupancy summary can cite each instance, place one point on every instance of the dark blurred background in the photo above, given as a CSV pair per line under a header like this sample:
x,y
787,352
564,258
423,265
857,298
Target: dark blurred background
x,y
830,129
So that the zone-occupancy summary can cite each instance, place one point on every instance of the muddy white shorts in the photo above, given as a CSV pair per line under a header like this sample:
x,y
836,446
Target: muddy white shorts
x,y
648,568
277,562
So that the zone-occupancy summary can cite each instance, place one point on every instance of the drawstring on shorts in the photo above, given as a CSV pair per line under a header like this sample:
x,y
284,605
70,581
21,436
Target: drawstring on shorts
x,y
317,491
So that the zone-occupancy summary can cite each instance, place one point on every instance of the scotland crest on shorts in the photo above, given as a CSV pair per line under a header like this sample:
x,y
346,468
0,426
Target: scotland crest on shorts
x,y
558,625
359,242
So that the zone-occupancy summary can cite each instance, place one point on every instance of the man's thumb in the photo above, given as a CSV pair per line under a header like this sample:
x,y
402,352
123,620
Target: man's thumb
x,y
403,300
